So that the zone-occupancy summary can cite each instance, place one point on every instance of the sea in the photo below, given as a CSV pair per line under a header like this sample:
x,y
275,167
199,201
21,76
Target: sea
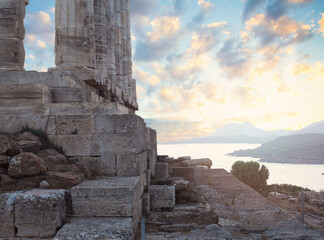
x,y
305,175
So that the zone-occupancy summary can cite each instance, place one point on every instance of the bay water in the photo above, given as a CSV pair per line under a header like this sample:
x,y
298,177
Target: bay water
x,y
305,175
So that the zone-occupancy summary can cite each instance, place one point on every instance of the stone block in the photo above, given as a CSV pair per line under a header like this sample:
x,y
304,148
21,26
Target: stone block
x,y
7,215
12,54
151,161
59,180
12,8
162,196
108,197
97,228
12,28
131,164
161,170
76,124
12,123
185,172
38,213
70,95
104,124
73,145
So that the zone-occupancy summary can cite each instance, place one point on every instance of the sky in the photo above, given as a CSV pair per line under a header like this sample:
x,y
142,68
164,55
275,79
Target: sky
x,y
200,64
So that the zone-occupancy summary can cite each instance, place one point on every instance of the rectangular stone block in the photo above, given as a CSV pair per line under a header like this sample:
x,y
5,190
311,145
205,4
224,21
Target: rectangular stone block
x,y
104,124
7,215
161,170
38,213
76,124
108,197
12,28
98,166
21,91
104,228
185,172
12,54
70,95
162,197
73,145
131,164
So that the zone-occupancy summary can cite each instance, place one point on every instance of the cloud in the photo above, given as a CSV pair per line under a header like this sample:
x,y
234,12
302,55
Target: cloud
x,y
164,27
321,24
284,29
233,59
145,77
250,7
142,7
217,24
156,43
206,5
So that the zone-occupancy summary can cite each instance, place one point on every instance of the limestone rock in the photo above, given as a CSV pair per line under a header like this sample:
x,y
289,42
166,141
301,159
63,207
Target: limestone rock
x,y
38,213
196,162
26,164
64,180
52,158
44,184
162,197
27,136
4,160
29,146
7,146
7,215
96,229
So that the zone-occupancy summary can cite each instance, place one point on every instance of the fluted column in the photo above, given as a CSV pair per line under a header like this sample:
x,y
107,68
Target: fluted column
x,y
12,34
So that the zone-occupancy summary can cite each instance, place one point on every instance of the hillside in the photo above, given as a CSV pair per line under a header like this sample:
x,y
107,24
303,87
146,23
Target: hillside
x,y
297,149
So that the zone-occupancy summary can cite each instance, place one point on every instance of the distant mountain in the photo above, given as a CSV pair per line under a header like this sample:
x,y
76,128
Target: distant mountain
x,y
238,133
247,133
297,149
317,127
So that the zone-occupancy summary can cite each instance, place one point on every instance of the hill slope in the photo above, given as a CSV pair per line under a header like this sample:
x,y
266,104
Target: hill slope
x,y
299,149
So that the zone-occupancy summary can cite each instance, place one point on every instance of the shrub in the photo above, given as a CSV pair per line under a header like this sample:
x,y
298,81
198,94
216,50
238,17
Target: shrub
x,y
251,174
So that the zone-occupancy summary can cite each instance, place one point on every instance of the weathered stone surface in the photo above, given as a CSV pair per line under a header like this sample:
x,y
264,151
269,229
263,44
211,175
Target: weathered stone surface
x,y
38,213
77,124
162,196
29,146
161,170
161,157
26,164
44,184
12,55
97,166
7,146
196,162
108,197
131,165
27,136
73,145
52,158
185,172
4,160
7,215
96,229
59,180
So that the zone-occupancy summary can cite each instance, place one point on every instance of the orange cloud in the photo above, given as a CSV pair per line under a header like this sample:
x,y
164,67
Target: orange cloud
x,y
321,23
205,4
164,27
302,68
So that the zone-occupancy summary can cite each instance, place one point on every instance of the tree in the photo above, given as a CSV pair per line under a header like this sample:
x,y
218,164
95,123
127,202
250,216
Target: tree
x,y
251,174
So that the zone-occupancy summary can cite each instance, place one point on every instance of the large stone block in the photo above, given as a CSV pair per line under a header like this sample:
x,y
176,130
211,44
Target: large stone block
x,y
73,145
74,124
162,196
185,172
161,170
131,164
97,229
38,213
98,166
7,215
12,54
13,8
11,28
108,197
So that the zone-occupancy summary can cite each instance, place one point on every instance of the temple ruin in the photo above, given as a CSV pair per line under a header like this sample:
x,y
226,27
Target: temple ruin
x,y
86,104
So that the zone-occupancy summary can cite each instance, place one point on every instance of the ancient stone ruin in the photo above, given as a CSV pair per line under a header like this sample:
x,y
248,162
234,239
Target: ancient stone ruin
x,y
86,105
76,162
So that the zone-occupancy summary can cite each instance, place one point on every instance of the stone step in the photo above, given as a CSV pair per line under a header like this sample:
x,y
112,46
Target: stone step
x,y
109,197
97,228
